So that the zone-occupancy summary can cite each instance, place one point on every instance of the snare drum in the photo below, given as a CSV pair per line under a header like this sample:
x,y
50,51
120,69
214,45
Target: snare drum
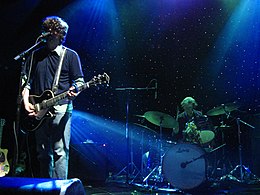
x,y
184,166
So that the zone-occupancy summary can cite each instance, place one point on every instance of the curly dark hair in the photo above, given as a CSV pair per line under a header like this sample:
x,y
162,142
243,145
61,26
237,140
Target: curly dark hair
x,y
56,26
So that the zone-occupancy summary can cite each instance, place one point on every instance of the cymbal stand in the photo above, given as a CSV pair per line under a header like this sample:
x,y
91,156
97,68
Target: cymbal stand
x,y
224,162
158,168
243,170
130,162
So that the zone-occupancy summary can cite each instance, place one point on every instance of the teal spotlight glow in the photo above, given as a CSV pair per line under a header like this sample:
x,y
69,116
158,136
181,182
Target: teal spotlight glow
x,y
241,30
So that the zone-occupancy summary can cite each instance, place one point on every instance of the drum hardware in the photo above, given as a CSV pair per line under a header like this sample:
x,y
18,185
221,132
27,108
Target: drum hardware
x,y
245,175
149,188
224,162
146,137
162,120
223,109
130,167
142,147
243,170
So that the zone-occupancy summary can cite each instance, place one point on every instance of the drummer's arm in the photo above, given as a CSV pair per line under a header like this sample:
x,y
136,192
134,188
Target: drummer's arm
x,y
175,130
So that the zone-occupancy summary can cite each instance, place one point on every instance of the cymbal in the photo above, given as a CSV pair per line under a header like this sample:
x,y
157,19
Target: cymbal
x,y
161,119
138,115
222,127
145,127
223,109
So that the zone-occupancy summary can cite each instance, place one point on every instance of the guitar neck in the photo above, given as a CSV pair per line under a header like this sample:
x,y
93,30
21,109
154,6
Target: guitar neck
x,y
94,81
51,102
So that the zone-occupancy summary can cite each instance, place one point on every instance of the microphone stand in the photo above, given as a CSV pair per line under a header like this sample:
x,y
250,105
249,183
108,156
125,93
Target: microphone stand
x,y
33,48
130,161
19,99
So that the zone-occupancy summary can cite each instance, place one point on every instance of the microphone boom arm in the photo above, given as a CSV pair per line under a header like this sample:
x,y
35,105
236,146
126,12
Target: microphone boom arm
x,y
21,55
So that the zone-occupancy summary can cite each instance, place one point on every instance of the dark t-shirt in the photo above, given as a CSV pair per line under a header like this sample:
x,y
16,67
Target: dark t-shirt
x,y
45,64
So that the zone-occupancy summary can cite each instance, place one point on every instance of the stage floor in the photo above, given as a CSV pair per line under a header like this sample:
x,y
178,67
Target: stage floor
x,y
209,188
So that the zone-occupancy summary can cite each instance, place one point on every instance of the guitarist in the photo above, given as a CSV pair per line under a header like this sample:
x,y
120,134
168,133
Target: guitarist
x,y
53,135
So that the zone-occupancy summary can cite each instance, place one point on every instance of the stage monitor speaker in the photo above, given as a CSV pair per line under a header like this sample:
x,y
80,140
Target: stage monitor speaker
x,y
36,186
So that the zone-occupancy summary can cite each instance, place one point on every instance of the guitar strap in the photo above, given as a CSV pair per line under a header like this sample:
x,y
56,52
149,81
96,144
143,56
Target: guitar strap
x,y
57,74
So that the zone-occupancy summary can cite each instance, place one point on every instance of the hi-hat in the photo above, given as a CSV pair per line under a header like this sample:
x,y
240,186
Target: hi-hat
x,y
223,109
161,119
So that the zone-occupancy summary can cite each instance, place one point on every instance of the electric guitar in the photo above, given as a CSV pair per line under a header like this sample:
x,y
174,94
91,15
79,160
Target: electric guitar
x,y
46,100
4,165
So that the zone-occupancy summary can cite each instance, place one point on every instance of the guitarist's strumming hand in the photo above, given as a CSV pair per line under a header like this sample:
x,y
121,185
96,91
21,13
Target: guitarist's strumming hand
x,y
27,105
39,106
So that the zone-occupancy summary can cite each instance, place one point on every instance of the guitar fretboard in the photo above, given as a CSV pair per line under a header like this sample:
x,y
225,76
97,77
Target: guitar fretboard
x,y
51,102
94,81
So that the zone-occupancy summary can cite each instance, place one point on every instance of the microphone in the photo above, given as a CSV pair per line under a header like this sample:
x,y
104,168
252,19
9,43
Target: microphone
x,y
43,35
156,90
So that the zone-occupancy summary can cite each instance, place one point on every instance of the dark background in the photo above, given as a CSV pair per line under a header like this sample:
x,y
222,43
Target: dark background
x,y
205,49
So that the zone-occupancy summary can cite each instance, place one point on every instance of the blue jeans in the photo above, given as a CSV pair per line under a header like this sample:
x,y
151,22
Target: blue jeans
x,y
52,144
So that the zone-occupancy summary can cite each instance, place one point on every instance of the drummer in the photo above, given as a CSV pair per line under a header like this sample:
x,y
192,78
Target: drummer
x,y
188,115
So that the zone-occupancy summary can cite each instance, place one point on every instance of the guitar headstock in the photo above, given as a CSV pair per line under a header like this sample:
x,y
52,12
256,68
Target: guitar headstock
x,y
100,79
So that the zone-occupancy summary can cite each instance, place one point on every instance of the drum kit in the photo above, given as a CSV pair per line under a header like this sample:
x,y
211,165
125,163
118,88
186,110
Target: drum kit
x,y
183,165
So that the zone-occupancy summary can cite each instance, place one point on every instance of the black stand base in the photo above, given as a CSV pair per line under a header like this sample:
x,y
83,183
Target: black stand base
x,y
241,174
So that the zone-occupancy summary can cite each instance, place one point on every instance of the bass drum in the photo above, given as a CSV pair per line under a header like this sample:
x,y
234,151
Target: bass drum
x,y
184,166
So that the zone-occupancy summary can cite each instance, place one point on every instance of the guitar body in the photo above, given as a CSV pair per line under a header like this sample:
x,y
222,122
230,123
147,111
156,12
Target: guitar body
x,y
4,165
46,100
31,123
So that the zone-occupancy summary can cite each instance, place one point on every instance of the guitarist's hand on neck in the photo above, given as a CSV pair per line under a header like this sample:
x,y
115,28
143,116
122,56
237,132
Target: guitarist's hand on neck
x,y
72,94
27,105
74,90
